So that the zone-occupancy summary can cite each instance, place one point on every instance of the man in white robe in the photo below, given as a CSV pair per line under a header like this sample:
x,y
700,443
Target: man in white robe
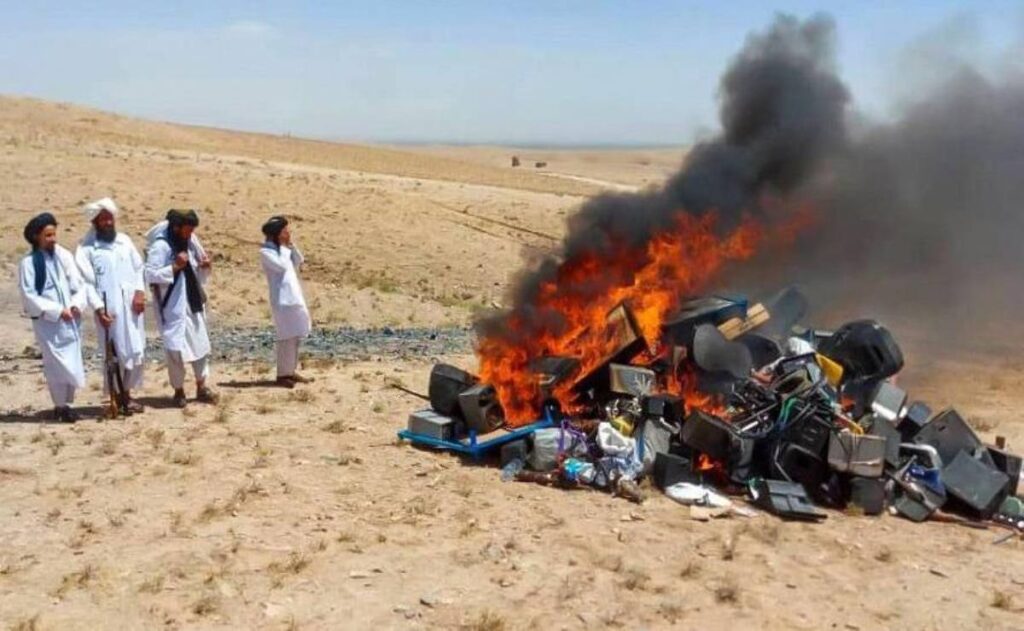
x,y
113,273
281,260
177,268
53,295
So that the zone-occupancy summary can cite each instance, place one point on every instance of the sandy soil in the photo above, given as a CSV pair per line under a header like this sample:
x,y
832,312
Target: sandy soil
x,y
297,509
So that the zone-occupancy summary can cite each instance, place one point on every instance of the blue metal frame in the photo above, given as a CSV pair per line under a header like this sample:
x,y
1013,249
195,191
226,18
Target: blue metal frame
x,y
475,448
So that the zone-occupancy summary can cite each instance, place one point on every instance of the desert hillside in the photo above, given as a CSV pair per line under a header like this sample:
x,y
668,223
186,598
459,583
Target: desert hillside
x,y
391,236
297,509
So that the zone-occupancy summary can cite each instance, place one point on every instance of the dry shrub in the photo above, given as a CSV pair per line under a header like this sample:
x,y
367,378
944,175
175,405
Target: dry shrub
x,y
636,579
76,580
28,624
231,506
1002,600
335,427
691,570
727,593
293,565
185,458
487,621
155,437
207,605
673,612
108,446
152,585
302,396
884,555
222,415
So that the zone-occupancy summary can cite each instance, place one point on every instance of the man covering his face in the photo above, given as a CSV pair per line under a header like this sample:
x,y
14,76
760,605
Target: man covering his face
x,y
281,261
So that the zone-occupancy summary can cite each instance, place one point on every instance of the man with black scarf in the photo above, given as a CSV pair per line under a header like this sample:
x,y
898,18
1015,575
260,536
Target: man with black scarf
x,y
177,268
53,295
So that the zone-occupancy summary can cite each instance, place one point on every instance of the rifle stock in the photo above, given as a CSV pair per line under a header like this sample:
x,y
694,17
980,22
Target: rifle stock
x,y
112,364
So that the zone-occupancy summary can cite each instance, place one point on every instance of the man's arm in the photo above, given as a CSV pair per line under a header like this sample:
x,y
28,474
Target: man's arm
x,y
159,270
35,306
271,260
203,260
83,260
138,266
138,285
76,284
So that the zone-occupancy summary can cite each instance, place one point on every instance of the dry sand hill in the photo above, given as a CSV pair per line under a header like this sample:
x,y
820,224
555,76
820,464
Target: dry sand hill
x,y
296,509
391,237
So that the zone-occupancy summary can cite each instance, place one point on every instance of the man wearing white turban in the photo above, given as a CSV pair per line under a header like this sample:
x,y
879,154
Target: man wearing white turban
x,y
115,288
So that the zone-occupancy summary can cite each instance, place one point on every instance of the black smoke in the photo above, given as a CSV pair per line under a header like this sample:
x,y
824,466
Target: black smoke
x,y
920,218
782,112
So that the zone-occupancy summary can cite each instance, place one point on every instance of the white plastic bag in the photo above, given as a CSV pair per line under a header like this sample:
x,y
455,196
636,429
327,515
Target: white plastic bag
x,y
690,494
544,456
613,443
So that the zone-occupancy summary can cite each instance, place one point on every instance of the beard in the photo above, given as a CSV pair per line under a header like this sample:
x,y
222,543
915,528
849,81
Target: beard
x,y
106,235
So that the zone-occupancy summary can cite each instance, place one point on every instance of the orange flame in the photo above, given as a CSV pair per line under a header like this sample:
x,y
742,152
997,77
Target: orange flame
x,y
653,280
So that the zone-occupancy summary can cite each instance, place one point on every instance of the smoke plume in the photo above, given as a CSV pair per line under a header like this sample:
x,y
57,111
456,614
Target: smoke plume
x,y
919,217
924,215
782,111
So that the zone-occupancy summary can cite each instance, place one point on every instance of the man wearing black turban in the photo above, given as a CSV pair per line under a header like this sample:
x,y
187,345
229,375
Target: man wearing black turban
x,y
177,267
53,295
281,260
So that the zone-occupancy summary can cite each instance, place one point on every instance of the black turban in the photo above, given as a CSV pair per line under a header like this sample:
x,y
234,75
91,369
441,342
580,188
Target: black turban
x,y
36,225
272,229
177,218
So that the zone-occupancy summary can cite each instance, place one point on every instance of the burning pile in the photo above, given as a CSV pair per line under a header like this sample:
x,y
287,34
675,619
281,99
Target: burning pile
x,y
608,364
733,396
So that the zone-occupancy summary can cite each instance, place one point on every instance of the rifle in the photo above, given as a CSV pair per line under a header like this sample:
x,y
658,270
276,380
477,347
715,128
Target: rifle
x,y
112,365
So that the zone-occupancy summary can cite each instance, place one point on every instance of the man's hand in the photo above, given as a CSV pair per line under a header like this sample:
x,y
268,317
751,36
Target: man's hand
x,y
76,313
105,318
139,302
66,315
180,261
205,262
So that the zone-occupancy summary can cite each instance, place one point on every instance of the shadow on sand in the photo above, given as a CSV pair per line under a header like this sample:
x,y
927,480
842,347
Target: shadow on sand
x,y
256,383
45,417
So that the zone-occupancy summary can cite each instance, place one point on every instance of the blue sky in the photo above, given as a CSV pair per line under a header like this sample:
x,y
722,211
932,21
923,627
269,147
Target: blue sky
x,y
559,72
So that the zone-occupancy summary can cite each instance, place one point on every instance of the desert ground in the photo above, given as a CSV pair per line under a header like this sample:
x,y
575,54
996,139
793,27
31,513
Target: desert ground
x,y
298,509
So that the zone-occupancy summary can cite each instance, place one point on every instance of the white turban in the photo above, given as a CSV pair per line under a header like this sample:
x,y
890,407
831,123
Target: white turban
x,y
93,209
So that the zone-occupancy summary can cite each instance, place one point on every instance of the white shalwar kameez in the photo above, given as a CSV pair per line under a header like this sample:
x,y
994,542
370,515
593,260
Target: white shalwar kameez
x,y
184,332
60,342
114,272
288,305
